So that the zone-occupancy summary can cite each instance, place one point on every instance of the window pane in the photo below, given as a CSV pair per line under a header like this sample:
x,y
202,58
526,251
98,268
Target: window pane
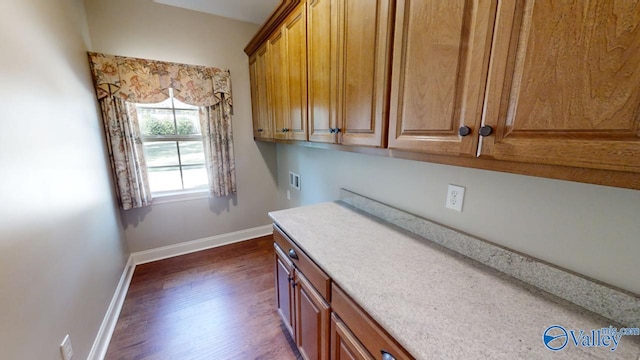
x,y
156,121
191,152
161,153
188,122
180,105
194,176
165,179
164,104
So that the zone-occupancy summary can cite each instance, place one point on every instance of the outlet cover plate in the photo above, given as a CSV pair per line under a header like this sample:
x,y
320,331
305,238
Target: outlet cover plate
x,y
65,348
455,197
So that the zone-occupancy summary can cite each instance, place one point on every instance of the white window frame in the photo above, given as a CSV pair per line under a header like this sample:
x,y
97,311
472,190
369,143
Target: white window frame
x,y
177,194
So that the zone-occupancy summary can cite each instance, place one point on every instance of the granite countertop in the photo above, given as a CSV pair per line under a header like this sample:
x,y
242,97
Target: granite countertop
x,y
436,303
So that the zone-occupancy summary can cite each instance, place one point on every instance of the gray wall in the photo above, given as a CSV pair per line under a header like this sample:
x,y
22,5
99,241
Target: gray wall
x,y
146,29
593,230
61,245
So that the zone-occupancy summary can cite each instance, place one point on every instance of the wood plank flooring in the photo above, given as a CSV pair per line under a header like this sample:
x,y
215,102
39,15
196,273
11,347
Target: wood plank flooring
x,y
213,304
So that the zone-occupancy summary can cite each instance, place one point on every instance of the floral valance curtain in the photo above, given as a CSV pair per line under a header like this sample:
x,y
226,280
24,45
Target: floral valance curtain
x,y
148,81
122,81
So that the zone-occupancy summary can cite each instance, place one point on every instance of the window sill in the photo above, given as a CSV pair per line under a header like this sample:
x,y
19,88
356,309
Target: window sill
x,y
169,197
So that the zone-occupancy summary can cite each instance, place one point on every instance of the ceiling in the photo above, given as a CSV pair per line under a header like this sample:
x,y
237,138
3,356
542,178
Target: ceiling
x,y
254,11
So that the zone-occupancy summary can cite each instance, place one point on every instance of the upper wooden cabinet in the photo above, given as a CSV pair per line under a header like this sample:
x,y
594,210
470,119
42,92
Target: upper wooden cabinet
x,y
532,87
441,56
364,53
260,100
349,48
564,84
295,30
322,41
278,84
288,74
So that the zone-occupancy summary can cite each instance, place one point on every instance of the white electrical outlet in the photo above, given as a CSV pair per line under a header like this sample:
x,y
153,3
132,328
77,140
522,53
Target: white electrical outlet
x,y
455,197
65,348
288,194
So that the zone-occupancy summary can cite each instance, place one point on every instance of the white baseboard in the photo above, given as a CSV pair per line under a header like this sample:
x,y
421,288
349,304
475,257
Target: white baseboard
x,y
101,343
143,257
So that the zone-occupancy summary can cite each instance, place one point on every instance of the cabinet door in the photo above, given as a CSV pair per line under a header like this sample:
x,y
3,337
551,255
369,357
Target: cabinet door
x,y
278,76
563,84
284,289
321,47
312,321
364,40
441,57
296,59
255,105
258,72
344,345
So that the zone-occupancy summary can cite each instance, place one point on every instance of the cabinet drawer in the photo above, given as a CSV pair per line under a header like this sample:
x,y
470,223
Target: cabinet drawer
x,y
311,271
368,332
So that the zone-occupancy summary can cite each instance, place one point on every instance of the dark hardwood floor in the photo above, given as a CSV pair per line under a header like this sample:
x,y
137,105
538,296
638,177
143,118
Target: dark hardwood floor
x,y
213,304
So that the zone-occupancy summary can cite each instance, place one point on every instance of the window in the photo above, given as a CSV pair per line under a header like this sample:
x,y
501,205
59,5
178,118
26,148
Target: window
x,y
173,146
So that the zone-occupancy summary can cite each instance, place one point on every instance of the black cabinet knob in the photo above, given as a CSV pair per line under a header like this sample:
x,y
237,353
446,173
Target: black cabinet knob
x,y
486,130
292,254
338,130
464,131
332,130
259,130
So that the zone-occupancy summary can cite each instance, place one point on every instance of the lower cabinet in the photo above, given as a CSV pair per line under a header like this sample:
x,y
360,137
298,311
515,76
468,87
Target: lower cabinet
x,y
312,320
322,319
284,289
304,311
344,345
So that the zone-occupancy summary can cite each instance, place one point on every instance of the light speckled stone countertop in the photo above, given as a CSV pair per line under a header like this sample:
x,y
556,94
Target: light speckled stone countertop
x,y
437,303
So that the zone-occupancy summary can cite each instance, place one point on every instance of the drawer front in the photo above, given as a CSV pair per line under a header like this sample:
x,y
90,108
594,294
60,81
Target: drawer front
x,y
311,271
368,332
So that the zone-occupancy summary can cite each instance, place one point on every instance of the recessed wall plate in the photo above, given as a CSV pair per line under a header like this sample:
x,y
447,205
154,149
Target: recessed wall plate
x,y
294,180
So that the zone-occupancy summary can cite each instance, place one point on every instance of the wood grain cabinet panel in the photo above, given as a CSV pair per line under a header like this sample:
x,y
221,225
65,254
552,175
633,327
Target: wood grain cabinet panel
x,y
564,84
344,345
364,53
312,320
279,84
295,29
260,99
441,57
284,289
322,73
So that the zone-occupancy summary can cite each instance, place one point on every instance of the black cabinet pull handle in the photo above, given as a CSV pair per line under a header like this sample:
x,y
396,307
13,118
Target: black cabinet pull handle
x,y
464,131
386,355
332,130
337,130
486,130
292,254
